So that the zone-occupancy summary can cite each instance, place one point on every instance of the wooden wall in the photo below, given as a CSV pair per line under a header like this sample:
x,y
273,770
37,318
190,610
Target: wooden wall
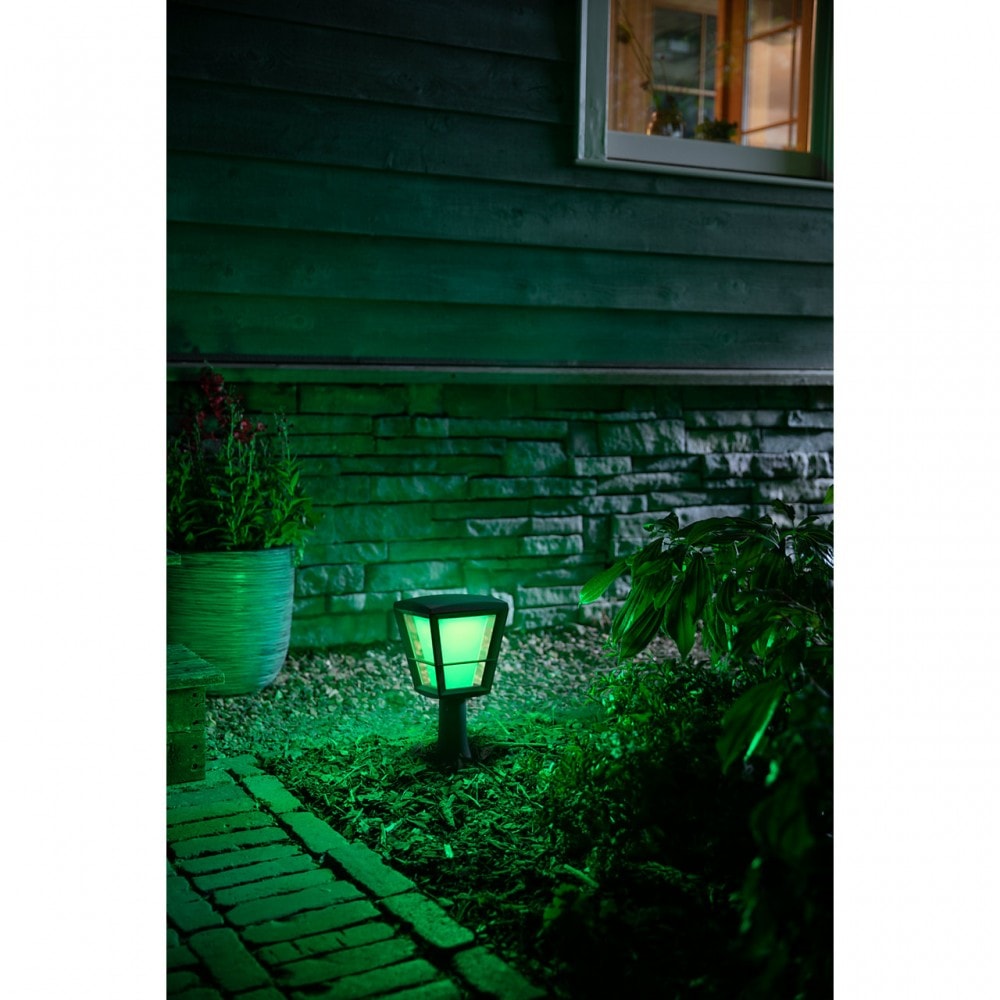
x,y
393,181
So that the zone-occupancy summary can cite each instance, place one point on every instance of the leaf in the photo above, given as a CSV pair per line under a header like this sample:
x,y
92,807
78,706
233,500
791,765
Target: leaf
x,y
680,626
828,497
780,824
596,585
783,508
744,724
696,586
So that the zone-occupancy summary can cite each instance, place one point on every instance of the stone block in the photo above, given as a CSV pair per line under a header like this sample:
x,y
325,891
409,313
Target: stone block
x,y
600,465
356,603
333,445
490,976
534,458
392,489
224,843
187,909
517,429
447,447
375,522
497,527
345,962
550,545
556,525
340,579
362,865
581,439
228,960
545,486
252,874
692,498
487,400
218,825
792,441
728,466
303,925
426,919
541,597
425,400
576,398
245,858
822,419
652,437
792,465
410,575
348,552
731,397
343,488
704,442
340,630
332,423
734,418
269,790
648,482
452,548
309,607
480,509
259,911
345,399
793,491
613,504
391,979
208,803
297,948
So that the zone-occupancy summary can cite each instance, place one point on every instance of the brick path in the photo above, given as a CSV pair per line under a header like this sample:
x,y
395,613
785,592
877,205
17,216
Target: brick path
x,y
266,901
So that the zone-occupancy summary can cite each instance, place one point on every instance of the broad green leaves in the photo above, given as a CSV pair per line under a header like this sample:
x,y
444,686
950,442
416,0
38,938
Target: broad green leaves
x,y
744,724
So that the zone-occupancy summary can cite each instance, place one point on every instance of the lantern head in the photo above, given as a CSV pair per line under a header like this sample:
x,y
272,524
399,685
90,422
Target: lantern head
x,y
452,642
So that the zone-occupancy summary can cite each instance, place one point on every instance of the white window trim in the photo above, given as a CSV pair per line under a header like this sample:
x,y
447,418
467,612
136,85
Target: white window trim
x,y
597,146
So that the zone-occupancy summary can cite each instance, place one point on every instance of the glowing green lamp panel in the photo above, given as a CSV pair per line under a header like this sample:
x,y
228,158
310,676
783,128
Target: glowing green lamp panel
x,y
465,644
418,631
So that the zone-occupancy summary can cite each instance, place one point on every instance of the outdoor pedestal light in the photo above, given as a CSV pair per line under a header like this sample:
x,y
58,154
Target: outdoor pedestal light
x,y
452,642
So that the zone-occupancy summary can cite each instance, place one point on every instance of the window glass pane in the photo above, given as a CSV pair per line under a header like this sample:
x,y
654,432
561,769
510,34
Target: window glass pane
x,y
766,15
709,53
676,48
675,64
779,137
769,80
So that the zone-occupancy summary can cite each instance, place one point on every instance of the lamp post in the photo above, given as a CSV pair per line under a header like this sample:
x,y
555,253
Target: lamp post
x,y
452,642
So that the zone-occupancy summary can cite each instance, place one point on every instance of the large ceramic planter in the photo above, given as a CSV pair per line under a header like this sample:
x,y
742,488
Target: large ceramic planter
x,y
234,609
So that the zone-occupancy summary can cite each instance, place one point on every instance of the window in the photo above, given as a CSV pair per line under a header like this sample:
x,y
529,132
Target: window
x,y
747,81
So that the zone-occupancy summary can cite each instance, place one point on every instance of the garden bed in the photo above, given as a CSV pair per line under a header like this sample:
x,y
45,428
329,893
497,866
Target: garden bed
x,y
347,734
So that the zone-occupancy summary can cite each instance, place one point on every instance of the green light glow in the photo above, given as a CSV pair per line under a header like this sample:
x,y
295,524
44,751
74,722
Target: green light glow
x,y
464,645
419,632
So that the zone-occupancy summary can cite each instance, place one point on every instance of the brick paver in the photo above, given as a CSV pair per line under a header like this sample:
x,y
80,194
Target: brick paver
x,y
266,901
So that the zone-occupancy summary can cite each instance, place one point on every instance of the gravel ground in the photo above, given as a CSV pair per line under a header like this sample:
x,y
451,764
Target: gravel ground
x,y
327,697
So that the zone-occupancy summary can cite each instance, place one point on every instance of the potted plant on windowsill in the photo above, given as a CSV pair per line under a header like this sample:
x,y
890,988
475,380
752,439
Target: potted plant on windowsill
x,y
237,518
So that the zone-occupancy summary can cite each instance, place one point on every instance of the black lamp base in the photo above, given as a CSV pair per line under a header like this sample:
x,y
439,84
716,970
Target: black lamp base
x,y
453,740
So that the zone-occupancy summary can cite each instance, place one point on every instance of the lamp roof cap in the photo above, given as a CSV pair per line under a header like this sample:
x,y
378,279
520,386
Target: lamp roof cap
x,y
453,604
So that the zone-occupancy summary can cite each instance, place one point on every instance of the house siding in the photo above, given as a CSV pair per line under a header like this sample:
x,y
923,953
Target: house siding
x,y
357,184
366,199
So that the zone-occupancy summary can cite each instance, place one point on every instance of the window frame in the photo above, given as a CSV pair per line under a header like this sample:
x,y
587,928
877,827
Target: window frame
x,y
596,145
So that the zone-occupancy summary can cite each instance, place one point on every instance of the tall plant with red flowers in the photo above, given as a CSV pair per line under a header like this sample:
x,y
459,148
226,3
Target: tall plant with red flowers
x,y
233,484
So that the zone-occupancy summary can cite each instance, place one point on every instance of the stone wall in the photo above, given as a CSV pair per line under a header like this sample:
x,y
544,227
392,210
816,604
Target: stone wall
x,y
524,491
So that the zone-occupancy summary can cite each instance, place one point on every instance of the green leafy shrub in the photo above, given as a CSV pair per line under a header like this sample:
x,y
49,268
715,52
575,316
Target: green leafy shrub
x,y
761,596
655,833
